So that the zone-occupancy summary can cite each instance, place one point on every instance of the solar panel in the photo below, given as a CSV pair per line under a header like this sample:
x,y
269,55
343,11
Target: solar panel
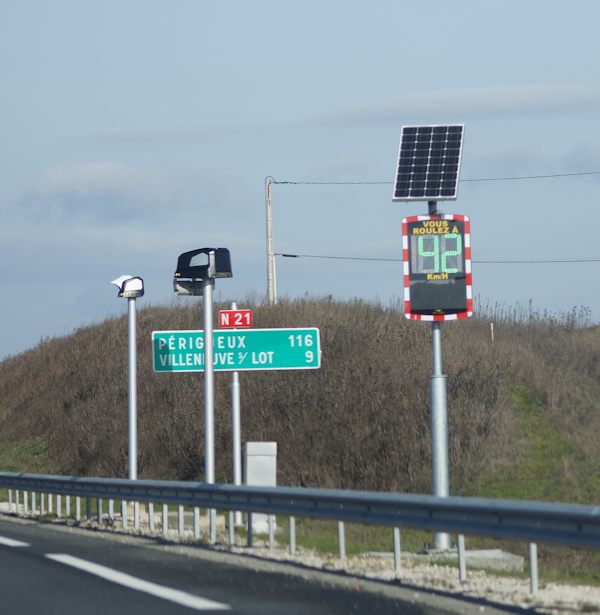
x,y
428,163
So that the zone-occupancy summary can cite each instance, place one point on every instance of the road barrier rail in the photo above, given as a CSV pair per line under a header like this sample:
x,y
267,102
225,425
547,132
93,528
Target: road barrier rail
x,y
567,524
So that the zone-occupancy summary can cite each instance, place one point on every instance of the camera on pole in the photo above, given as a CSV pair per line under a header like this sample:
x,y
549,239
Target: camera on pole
x,y
196,266
195,275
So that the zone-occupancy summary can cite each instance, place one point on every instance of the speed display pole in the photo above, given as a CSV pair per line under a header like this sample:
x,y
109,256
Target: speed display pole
x,y
437,287
436,254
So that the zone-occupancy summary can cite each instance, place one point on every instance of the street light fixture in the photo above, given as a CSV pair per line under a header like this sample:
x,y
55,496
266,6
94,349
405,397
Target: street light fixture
x,y
131,287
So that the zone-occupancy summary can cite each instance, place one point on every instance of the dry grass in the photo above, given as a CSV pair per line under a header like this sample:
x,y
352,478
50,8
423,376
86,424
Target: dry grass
x,y
361,421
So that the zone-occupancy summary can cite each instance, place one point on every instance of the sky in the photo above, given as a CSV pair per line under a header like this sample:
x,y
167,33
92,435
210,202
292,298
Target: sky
x,y
135,130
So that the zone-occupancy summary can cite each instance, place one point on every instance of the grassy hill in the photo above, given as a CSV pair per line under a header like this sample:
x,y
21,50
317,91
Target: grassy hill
x,y
523,408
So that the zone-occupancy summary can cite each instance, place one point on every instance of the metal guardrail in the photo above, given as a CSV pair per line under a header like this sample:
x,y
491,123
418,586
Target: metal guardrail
x,y
568,524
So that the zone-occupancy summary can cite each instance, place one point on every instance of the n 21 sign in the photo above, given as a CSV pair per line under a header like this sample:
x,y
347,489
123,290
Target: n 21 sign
x,y
235,318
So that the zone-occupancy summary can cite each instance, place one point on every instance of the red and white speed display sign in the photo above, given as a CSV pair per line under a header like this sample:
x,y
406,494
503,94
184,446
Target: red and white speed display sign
x,y
436,253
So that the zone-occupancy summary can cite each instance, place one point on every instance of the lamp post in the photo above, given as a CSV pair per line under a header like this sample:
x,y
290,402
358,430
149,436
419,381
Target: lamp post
x,y
131,287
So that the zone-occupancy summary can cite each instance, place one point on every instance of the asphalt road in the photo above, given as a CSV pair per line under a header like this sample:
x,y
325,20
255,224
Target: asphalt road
x,y
55,570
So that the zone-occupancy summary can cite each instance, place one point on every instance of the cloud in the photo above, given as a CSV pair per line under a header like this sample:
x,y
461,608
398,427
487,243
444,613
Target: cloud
x,y
443,105
112,194
107,192
584,155
160,137
473,101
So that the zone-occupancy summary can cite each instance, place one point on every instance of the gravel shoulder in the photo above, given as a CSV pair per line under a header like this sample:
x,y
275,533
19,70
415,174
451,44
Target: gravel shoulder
x,y
481,587
556,598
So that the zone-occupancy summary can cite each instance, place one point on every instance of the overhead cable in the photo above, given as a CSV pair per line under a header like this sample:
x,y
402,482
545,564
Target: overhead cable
x,y
481,262
478,179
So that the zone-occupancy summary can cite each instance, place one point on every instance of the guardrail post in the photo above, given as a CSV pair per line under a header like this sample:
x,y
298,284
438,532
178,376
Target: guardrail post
x,y
342,540
151,517
68,506
533,568
181,522
231,528
43,504
111,511
397,552
26,502
100,506
292,523
124,505
250,541
462,559
271,532
17,500
165,519
33,502
59,506
10,500
196,523
78,508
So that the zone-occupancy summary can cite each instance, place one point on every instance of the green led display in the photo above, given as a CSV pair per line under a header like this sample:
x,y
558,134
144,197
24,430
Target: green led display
x,y
437,254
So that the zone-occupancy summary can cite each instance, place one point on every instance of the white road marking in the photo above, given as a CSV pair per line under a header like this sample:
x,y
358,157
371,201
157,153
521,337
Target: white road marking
x,y
10,542
121,578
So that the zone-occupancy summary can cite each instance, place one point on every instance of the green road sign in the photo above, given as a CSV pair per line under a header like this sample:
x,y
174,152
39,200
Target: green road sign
x,y
237,350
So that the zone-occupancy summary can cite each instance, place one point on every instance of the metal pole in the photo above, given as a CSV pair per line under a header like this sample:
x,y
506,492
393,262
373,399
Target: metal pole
x,y
209,399
397,554
151,517
181,520
271,280
342,540
237,433
534,583
439,418
132,401
231,529
132,391
439,428
462,559
292,523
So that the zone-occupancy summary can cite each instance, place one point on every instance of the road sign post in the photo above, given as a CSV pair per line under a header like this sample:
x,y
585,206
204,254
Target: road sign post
x,y
235,350
236,318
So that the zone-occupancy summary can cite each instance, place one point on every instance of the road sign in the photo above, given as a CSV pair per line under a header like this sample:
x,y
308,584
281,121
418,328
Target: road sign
x,y
436,250
246,350
235,318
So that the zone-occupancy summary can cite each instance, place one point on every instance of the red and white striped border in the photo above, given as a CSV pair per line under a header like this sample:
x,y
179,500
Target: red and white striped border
x,y
468,273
